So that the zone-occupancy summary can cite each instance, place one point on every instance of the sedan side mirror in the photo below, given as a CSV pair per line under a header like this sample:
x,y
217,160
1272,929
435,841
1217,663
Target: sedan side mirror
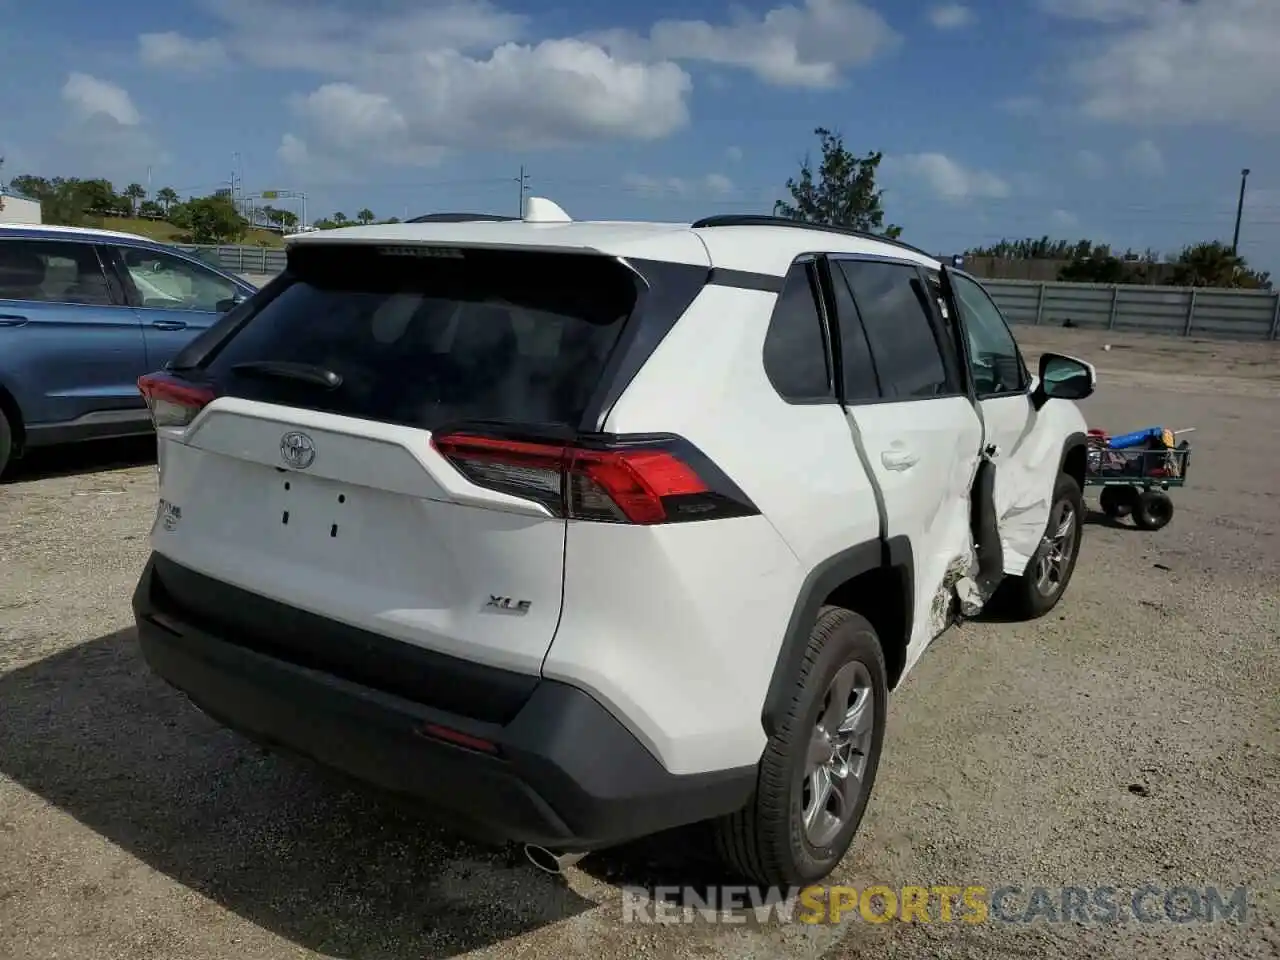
x,y
1063,378
222,306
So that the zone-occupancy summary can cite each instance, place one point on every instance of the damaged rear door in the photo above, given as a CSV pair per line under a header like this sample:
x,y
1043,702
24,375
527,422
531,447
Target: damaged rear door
x,y
918,430
1026,459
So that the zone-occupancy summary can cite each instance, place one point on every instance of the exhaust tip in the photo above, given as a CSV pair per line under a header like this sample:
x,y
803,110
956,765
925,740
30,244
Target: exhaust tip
x,y
549,862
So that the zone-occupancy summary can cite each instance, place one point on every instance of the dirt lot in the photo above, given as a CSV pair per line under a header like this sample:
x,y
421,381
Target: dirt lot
x,y
1132,737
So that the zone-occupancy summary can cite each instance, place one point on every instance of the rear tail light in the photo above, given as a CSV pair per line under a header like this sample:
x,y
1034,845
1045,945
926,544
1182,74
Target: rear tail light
x,y
638,484
173,402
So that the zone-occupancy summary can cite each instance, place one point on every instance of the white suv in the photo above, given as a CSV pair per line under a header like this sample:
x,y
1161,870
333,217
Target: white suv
x,y
579,531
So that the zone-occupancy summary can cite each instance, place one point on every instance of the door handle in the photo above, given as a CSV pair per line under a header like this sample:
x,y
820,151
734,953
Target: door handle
x,y
169,324
899,459
11,320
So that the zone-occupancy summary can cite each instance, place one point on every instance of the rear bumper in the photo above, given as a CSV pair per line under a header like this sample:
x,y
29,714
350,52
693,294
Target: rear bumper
x,y
563,772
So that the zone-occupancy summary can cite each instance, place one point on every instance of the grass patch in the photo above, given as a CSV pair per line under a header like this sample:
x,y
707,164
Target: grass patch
x,y
167,233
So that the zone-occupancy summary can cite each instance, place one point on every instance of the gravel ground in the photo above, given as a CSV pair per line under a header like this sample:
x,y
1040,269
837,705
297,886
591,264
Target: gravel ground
x,y
1132,737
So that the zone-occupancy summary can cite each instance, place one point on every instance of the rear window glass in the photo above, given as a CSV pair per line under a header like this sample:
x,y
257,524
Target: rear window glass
x,y
425,340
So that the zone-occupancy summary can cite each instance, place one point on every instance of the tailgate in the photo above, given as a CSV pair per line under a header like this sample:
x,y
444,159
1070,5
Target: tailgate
x,y
332,499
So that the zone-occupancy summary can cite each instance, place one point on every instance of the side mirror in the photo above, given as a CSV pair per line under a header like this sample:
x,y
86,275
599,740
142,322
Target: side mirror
x,y
1063,378
222,306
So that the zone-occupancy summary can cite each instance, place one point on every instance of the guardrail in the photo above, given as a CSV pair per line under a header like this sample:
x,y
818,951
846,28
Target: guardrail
x,y
1172,311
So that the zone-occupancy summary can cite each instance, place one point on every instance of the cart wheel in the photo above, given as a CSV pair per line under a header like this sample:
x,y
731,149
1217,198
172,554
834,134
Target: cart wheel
x,y
1154,510
1118,502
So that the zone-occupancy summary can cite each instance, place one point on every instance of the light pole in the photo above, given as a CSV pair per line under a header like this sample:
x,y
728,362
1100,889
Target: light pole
x,y
1235,240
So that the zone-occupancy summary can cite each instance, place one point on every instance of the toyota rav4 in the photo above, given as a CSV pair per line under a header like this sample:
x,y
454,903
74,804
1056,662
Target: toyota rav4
x,y
579,531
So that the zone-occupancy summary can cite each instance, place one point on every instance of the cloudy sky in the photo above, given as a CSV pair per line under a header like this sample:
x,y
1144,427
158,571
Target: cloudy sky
x,y
1126,121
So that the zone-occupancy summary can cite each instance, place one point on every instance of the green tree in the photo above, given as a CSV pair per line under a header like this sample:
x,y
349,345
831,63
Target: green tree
x,y
1213,264
842,192
288,219
151,210
135,193
167,197
365,216
340,219
212,219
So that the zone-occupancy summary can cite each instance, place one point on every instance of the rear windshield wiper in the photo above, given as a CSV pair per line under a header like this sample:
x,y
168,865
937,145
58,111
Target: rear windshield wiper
x,y
289,370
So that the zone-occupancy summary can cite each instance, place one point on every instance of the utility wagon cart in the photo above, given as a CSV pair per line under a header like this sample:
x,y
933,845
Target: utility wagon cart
x,y
1135,472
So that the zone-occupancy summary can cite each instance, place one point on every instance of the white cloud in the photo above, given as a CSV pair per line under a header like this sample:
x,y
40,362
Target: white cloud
x,y
1103,11
105,132
1022,106
808,46
951,16
89,97
718,184
1091,164
175,51
1064,219
712,185
403,84
948,179
733,154
1145,158
1174,62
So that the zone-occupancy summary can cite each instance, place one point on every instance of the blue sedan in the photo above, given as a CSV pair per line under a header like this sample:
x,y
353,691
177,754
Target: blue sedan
x,y
83,314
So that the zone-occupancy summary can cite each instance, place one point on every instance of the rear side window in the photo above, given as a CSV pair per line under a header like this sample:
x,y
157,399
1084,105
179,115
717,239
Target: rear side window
x,y
424,340
795,349
52,271
899,329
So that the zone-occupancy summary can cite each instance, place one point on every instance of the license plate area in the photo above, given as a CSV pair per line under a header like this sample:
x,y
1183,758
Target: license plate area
x,y
311,510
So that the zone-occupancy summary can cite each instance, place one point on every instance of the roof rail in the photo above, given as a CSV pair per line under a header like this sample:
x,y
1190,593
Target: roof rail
x,y
461,218
763,220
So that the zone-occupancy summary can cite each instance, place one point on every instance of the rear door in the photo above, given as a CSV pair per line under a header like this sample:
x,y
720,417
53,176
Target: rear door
x,y
1026,459
333,496
175,298
71,349
922,436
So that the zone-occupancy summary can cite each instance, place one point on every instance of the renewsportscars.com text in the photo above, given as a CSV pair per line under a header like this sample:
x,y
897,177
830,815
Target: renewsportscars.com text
x,y
968,904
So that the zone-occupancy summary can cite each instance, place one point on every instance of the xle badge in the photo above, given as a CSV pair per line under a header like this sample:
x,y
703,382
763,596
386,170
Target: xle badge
x,y
297,450
497,604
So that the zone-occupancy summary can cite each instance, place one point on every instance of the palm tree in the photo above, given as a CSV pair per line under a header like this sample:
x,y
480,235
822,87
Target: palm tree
x,y
167,196
134,193
365,216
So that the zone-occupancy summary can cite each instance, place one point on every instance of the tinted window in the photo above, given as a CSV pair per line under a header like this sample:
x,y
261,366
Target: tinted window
x,y
994,361
426,340
795,349
167,282
898,328
53,272
857,370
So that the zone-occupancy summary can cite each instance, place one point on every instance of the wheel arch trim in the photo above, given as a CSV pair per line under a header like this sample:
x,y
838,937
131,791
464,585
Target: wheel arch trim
x,y
893,554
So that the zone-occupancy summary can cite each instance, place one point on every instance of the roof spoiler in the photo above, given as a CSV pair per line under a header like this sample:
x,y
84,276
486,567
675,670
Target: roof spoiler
x,y
542,210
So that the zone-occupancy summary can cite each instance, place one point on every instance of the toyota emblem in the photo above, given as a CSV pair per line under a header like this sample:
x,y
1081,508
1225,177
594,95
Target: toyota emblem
x,y
297,450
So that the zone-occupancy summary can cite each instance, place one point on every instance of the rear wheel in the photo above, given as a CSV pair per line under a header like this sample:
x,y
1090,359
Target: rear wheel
x,y
818,768
1038,590
1118,502
6,442
1153,510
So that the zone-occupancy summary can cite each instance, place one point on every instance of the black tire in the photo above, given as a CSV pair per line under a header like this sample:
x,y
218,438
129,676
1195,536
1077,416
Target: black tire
x,y
767,842
1118,502
1024,597
6,442
1153,511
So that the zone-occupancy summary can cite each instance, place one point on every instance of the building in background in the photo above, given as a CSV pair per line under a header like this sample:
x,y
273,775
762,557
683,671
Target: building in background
x,y
16,209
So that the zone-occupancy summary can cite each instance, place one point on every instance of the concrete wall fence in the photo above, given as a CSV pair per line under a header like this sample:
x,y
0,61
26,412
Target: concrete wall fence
x,y
1203,312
